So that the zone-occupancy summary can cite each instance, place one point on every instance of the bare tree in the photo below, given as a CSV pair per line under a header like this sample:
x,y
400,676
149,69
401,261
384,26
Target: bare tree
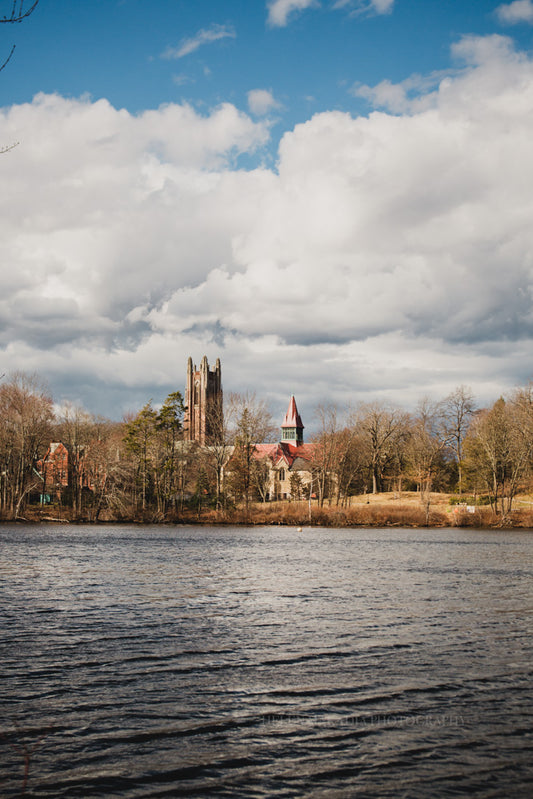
x,y
500,448
325,450
220,441
384,429
425,449
350,461
457,410
26,412
252,425
105,469
261,476
337,454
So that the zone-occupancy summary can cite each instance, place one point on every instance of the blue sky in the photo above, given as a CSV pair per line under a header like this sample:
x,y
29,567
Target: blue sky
x,y
332,196
129,51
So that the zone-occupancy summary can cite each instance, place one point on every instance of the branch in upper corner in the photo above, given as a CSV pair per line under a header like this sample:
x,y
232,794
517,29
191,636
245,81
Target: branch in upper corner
x,y
18,13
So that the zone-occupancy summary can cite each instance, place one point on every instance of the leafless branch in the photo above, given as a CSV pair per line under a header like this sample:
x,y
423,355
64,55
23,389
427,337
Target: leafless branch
x,y
8,59
8,147
18,13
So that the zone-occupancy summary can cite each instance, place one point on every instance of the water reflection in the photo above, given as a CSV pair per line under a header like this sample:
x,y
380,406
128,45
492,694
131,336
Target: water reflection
x,y
266,662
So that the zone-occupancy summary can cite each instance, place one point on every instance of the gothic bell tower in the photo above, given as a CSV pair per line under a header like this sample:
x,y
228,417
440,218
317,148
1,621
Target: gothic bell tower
x,y
203,400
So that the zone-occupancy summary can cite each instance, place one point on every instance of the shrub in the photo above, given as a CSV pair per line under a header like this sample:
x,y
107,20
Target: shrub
x,y
463,500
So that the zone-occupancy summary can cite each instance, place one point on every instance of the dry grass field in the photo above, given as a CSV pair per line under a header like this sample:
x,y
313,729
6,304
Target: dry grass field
x,y
380,510
390,509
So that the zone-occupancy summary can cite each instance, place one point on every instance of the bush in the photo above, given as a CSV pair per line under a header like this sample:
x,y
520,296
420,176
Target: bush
x,y
463,500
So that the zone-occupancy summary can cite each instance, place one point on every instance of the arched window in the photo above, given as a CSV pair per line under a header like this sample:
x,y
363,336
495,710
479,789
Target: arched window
x,y
281,475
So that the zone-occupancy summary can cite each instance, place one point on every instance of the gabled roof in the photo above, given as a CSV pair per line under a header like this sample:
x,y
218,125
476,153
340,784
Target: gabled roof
x,y
292,417
283,451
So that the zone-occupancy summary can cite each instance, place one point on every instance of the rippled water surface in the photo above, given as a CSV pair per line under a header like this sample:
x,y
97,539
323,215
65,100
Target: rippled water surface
x,y
265,662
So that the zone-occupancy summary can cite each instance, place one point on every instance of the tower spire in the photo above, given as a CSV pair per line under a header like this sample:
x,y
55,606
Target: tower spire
x,y
292,429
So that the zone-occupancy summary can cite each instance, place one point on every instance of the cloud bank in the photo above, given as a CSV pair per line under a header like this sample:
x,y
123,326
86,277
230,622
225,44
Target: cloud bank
x,y
387,256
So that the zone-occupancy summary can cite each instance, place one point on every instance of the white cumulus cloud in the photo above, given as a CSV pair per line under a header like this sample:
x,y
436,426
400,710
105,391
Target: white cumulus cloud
x,y
261,102
389,255
515,12
279,11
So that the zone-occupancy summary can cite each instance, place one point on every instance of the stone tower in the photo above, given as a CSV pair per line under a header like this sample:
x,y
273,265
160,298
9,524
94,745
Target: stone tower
x,y
203,401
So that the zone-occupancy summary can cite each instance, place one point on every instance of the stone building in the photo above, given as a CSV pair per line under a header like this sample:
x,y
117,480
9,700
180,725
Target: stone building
x,y
289,460
203,401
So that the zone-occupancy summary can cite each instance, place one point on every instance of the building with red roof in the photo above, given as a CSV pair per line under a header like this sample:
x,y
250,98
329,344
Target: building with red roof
x,y
289,460
286,471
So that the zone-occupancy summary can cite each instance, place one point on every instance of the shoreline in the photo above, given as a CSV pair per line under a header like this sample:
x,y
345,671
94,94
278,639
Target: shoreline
x,y
369,515
509,527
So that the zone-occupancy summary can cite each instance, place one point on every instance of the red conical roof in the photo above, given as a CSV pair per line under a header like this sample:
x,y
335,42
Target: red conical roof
x,y
292,417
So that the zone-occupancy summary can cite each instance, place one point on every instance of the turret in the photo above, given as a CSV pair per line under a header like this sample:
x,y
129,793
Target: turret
x,y
292,429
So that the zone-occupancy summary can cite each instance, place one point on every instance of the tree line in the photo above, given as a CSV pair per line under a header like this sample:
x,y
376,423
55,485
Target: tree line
x,y
448,446
139,468
143,468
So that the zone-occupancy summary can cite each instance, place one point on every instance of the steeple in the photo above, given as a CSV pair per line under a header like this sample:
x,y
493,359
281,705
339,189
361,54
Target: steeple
x,y
292,429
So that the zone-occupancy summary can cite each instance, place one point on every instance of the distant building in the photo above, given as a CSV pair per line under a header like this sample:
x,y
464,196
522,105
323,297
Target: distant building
x,y
288,473
53,470
61,469
203,401
290,460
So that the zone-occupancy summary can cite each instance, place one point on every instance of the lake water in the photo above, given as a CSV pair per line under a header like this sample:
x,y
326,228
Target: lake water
x,y
265,662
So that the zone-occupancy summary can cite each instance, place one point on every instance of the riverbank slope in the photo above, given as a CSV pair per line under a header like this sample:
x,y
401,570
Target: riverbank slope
x,y
391,509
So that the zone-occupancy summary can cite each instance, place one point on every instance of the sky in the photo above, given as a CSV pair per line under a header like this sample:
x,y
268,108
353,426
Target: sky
x,y
334,197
